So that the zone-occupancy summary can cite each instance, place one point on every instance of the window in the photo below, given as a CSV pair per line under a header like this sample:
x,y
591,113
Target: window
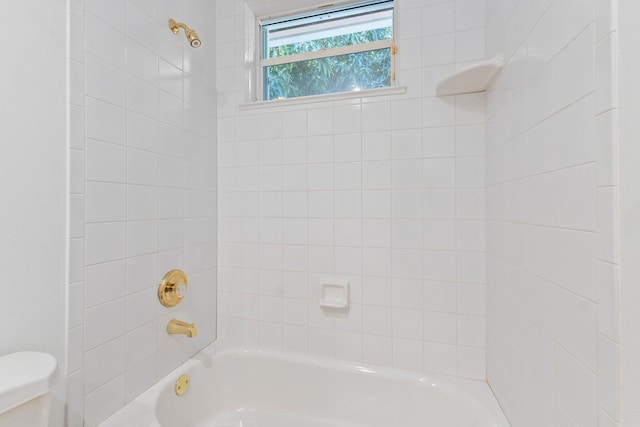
x,y
341,49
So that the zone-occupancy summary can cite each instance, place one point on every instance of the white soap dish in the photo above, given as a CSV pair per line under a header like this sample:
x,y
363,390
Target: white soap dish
x,y
334,294
473,78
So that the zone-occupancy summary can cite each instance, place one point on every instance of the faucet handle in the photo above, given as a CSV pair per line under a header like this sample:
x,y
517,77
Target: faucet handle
x,y
181,290
173,288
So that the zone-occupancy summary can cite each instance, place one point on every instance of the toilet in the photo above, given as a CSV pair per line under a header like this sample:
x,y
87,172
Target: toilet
x,y
25,381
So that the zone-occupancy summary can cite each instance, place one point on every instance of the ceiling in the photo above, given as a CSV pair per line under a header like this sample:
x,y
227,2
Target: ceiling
x,y
279,7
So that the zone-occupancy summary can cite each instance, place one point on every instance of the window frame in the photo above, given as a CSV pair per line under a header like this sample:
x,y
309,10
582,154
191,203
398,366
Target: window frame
x,y
263,63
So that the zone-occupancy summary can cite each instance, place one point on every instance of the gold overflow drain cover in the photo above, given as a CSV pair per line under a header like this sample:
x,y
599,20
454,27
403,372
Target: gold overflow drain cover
x,y
182,385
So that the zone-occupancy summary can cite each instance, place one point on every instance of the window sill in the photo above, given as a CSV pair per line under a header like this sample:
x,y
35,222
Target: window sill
x,y
395,90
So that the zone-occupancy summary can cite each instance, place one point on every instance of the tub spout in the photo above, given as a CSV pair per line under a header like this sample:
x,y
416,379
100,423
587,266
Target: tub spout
x,y
176,326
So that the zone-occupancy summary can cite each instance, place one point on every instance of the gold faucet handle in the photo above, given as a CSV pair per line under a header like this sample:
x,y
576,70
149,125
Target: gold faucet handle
x,y
173,288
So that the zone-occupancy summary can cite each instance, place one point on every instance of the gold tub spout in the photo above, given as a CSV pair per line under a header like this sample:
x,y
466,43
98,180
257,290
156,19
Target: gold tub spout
x,y
176,326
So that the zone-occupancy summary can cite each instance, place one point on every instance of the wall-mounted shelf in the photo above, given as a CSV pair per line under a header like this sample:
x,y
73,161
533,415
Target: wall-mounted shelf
x,y
474,78
334,294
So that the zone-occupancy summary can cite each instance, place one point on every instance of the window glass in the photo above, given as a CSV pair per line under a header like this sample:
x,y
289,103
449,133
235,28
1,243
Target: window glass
x,y
338,50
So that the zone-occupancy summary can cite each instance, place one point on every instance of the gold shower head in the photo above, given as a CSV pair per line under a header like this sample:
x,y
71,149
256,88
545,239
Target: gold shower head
x,y
192,35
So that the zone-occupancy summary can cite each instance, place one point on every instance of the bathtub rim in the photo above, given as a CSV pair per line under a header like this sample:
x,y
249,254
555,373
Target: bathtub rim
x,y
142,410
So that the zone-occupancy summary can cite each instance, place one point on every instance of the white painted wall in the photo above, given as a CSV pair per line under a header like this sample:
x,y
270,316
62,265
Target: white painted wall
x,y
552,213
33,177
386,192
142,195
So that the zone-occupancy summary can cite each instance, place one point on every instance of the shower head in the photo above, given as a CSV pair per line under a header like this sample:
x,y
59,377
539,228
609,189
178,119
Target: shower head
x,y
192,35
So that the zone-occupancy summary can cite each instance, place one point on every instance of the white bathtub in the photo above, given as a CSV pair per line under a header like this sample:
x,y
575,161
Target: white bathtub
x,y
253,388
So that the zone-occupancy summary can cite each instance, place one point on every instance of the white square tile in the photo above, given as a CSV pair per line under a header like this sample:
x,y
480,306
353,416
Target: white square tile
x,y
439,141
606,70
607,148
142,238
577,389
142,202
105,122
407,263
377,320
142,132
609,377
105,202
406,173
103,40
407,354
441,203
440,296
407,323
440,358
469,45
295,338
321,342
141,27
140,344
348,232
347,147
140,378
270,334
105,242
439,265
348,345
608,213
406,114
104,283
439,173
439,234
408,23
472,363
105,82
144,98
142,62
104,401
347,119
437,50
440,327
469,14
470,172
141,308
104,323
376,145
407,293
406,204
609,300
376,116
378,349
103,363
574,70
471,331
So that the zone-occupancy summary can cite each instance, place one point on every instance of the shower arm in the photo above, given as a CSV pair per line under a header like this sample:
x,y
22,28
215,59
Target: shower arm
x,y
175,26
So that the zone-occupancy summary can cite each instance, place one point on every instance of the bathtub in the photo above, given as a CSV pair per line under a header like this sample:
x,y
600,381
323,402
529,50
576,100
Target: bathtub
x,y
260,388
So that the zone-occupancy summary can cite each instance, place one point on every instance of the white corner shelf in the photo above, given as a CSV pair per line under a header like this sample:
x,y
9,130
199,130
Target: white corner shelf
x,y
474,78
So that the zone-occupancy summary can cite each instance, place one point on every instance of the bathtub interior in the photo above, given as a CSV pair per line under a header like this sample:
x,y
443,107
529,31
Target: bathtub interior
x,y
260,389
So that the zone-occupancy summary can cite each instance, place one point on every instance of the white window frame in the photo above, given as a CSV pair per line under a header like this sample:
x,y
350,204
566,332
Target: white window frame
x,y
325,53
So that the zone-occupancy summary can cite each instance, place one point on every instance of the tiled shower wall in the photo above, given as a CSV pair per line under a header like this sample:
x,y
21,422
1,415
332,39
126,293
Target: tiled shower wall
x,y
142,195
385,192
552,213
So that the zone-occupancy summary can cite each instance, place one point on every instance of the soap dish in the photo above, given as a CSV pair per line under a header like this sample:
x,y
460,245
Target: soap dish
x,y
334,294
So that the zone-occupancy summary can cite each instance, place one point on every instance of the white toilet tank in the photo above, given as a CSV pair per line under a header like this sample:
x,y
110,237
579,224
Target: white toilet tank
x,y
25,381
